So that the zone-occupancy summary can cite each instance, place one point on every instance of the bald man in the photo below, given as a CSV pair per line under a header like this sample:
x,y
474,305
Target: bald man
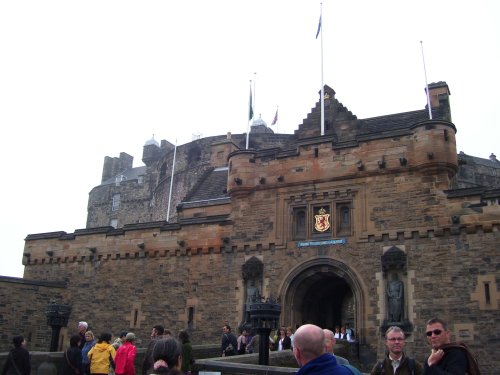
x,y
309,351
330,342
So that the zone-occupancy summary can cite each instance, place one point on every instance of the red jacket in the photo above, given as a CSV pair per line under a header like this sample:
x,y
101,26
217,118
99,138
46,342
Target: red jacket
x,y
125,358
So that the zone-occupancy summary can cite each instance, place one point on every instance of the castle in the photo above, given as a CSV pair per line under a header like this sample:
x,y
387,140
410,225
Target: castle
x,y
329,224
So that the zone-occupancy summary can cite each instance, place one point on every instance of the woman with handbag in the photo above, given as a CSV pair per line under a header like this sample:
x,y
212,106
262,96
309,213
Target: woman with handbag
x,y
18,362
73,357
102,355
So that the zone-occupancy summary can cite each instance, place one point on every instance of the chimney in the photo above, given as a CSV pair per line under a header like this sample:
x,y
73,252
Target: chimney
x,y
436,90
439,94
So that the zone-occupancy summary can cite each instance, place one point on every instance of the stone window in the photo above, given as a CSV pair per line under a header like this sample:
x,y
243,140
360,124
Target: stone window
x,y
119,179
115,205
343,218
299,231
114,223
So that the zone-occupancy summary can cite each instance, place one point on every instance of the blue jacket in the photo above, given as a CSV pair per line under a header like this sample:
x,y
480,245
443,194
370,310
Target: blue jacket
x,y
325,364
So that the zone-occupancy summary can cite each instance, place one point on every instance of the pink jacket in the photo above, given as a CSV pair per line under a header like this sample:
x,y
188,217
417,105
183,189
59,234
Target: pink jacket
x,y
125,358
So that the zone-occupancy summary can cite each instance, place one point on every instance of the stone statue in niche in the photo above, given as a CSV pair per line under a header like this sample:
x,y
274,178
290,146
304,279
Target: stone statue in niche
x,y
253,296
252,272
395,294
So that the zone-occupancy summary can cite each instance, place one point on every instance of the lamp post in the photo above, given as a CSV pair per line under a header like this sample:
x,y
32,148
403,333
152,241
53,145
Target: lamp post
x,y
57,317
264,317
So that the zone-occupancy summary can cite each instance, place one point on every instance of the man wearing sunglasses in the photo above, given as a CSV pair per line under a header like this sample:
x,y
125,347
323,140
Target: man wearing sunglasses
x,y
396,361
445,358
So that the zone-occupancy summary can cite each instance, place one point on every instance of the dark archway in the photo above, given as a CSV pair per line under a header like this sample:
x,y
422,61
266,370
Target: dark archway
x,y
322,291
325,300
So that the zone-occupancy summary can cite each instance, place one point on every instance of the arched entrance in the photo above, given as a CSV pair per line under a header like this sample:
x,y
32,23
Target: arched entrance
x,y
322,291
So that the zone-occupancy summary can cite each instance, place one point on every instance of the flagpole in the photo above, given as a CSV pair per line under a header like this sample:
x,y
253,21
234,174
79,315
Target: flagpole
x,y
250,114
254,90
171,181
426,85
322,85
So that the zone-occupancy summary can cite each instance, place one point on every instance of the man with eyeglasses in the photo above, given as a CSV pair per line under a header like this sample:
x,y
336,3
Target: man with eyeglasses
x,y
396,361
446,358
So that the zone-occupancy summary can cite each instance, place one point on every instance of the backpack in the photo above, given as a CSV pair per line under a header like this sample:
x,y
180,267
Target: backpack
x,y
471,359
411,366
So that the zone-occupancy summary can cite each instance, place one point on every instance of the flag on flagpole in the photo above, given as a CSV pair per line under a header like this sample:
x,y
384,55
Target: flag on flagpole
x,y
319,27
250,110
275,118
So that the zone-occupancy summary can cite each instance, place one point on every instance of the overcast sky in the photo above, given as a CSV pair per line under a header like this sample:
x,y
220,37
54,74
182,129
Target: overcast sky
x,y
83,80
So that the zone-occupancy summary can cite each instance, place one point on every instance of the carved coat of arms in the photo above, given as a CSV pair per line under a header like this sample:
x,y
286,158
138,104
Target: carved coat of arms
x,y
322,221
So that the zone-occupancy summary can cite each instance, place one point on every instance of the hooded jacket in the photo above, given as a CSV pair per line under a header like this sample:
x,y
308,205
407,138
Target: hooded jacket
x,y
99,357
125,358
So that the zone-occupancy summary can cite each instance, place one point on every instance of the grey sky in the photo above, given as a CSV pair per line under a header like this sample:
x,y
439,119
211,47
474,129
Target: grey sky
x,y
83,80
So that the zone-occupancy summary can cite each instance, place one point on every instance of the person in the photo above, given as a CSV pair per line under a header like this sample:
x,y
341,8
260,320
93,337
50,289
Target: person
x,y
82,328
187,352
337,332
251,342
125,356
289,333
330,342
349,331
228,342
102,355
18,361
167,357
309,352
284,341
343,333
120,340
242,342
147,362
89,343
395,296
446,358
73,357
396,361
166,334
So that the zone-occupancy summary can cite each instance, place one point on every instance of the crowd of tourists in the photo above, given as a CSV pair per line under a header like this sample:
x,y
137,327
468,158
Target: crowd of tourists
x,y
312,347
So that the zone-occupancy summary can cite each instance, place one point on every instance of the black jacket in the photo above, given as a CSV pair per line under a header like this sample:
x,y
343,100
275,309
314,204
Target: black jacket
x,y
454,362
72,361
18,362
229,338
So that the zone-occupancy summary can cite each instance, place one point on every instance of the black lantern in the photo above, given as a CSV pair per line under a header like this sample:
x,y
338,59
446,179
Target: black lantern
x,y
57,317
264,317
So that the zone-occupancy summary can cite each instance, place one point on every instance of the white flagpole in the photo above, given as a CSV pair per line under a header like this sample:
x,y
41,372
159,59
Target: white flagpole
x,y
322,98
250,114
171,181
426,85
254,91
